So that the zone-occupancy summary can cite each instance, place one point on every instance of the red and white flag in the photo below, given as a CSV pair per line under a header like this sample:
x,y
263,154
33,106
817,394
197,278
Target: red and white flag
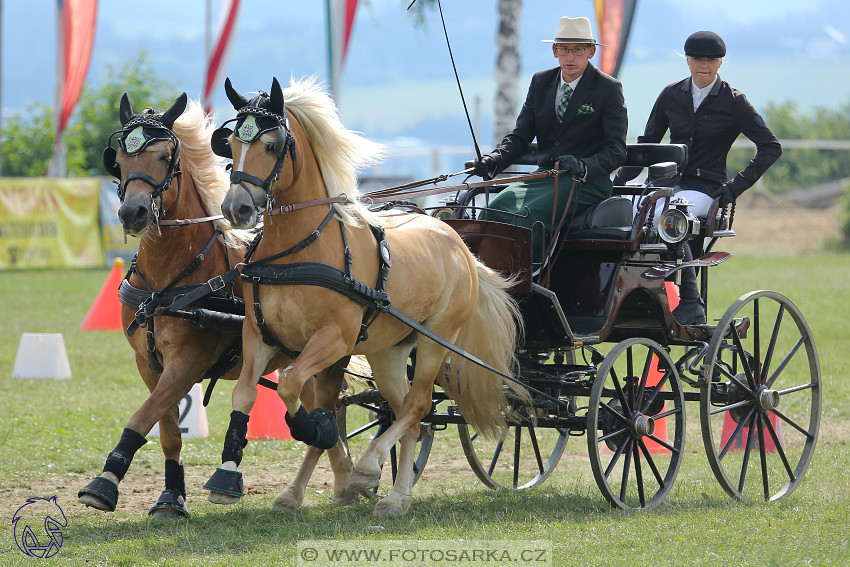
x,y
220,48
340,24
77,20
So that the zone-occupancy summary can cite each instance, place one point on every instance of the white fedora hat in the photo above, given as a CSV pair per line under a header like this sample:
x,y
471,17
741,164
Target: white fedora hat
x,y
573,30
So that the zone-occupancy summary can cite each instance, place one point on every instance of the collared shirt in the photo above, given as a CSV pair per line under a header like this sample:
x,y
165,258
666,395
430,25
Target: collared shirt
x,y
560,92
699,94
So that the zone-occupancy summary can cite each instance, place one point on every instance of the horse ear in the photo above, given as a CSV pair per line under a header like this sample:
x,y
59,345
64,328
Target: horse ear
x,y
237,100
173,113
276,101
219,142
125,110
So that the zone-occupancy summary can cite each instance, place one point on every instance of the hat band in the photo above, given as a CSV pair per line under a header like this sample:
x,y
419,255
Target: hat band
x,y
574,40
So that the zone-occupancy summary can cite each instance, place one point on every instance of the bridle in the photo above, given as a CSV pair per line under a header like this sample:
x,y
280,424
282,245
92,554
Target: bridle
x,y
252,121
135,137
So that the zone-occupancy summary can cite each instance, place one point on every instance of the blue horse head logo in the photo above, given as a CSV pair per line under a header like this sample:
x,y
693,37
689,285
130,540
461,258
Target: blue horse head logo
x,y
38,527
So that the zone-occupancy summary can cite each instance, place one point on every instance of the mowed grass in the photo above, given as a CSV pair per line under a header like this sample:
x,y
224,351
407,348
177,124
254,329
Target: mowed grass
x,y
54,436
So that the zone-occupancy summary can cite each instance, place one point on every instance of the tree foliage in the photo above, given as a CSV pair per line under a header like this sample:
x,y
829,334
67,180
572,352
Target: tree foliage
x,y
28,142
802,168
28,137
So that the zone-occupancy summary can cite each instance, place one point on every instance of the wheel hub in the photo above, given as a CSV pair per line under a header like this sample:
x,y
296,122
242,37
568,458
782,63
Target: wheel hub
x,y
767,399
641,425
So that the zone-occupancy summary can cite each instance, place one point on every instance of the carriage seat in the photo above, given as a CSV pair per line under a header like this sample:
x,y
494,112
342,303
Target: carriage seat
x,y
610,219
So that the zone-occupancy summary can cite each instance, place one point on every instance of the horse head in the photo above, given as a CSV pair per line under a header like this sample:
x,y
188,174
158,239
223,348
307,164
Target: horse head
x,y
260,123
145,163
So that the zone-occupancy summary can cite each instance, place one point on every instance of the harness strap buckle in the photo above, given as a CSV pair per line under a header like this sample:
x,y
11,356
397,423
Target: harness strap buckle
x,y
216,283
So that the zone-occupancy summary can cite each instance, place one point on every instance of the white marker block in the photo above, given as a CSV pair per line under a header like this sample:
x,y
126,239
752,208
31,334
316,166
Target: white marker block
x,y
193,415
42,355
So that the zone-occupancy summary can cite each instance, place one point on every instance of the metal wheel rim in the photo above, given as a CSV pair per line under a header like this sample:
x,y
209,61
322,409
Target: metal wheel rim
x,y
640,471
484,466
804,376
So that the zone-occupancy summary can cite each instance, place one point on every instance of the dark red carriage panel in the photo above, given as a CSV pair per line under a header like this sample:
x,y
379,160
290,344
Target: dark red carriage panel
x,y
505,248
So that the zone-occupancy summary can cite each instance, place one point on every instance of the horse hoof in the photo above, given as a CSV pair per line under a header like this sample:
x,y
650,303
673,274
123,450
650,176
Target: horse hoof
x,y
364,481
100,494
225,486
221,498
390,509
286,501
347,499
170,505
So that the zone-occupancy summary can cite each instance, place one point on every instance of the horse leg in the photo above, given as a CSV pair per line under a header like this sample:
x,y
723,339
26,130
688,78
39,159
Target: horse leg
x,y
225,485
171,504
318,427
166,392
389,370
430,359
396,503
322,391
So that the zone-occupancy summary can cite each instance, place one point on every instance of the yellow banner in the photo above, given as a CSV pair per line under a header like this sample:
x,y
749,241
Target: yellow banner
x,y
49,223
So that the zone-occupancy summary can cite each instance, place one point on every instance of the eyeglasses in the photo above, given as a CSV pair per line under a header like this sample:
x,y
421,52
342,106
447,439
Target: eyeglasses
x,y
574,50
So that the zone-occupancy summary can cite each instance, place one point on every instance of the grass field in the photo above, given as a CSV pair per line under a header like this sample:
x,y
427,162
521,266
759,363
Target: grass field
x,y
54,436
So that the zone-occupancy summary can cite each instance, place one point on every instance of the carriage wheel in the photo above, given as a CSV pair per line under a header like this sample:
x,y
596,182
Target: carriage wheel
x,y
760,409
524,456
636,425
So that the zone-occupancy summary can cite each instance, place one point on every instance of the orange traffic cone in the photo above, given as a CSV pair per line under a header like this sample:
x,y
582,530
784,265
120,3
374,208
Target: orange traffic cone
x,y
267,416
738,444
105,312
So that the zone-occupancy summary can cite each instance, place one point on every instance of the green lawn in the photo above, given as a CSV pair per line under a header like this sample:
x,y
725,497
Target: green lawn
x,y
54,435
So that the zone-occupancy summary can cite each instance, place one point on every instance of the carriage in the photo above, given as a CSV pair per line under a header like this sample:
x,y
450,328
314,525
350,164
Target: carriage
x,y
754,372
595,359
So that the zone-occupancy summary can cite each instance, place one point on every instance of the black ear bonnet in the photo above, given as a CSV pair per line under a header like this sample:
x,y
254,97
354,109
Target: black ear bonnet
x,y
263,113
137,133
140,130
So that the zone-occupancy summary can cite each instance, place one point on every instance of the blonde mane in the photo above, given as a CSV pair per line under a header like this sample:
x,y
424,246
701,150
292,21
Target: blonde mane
x,y
194,129
341,153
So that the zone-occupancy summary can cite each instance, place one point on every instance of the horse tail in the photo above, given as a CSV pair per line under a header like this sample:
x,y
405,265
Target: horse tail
x,y
491,334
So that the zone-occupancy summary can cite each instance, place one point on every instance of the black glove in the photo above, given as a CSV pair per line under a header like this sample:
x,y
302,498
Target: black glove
x,y
571,165
726,195
484,167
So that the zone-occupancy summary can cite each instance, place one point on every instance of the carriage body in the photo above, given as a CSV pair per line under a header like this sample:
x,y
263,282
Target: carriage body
x,y
610,284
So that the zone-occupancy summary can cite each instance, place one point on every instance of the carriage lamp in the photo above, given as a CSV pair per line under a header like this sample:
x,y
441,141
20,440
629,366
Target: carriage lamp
x,y
677,224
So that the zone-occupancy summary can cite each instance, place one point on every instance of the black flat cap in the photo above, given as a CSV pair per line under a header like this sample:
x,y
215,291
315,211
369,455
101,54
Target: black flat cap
x,y
705,44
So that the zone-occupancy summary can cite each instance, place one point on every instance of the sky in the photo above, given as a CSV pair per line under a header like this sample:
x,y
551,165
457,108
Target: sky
x,y
398,85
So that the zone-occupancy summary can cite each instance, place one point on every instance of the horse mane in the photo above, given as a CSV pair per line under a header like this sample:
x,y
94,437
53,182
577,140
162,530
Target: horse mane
x,y
194,129
340,152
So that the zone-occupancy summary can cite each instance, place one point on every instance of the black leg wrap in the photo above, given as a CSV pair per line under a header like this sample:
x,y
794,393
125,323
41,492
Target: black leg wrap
x,y
226,482
236,438
174,477
121,456
318,428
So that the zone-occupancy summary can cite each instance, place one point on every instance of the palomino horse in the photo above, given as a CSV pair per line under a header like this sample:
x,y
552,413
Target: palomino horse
x,y
299,164
171,186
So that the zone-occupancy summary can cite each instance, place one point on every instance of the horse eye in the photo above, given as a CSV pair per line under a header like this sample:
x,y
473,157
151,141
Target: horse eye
x,y
269,148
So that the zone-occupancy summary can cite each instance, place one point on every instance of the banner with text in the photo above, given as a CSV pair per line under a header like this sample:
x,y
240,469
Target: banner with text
x,y
49,223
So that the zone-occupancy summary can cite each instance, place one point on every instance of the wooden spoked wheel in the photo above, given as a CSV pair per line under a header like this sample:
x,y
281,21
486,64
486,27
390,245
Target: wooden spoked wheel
x,y
760,404
636,424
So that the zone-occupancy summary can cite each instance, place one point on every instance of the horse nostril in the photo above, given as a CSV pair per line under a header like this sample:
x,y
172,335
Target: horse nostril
x,y
141,215
245,211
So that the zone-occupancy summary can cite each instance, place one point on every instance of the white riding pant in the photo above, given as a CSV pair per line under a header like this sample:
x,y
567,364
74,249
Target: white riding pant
x,y
701,203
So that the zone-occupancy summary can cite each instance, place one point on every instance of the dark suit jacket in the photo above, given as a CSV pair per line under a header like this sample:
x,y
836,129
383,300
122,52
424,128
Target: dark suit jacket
x,y
709,133
593,130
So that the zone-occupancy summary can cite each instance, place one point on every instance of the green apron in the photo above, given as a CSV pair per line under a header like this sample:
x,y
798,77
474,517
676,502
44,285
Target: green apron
x,y
537,196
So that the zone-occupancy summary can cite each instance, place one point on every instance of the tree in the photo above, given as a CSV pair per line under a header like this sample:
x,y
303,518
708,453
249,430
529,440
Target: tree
x,y
97,111
28,142
28,137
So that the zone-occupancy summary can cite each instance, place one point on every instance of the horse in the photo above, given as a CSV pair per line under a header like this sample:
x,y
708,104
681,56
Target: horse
x,y
171,185
295,166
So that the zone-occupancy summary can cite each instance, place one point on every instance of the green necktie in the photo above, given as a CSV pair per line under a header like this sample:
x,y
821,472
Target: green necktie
x,y
562,104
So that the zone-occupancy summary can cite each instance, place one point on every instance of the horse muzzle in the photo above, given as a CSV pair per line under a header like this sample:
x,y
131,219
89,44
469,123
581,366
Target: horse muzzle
x,y
135,216
239,208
